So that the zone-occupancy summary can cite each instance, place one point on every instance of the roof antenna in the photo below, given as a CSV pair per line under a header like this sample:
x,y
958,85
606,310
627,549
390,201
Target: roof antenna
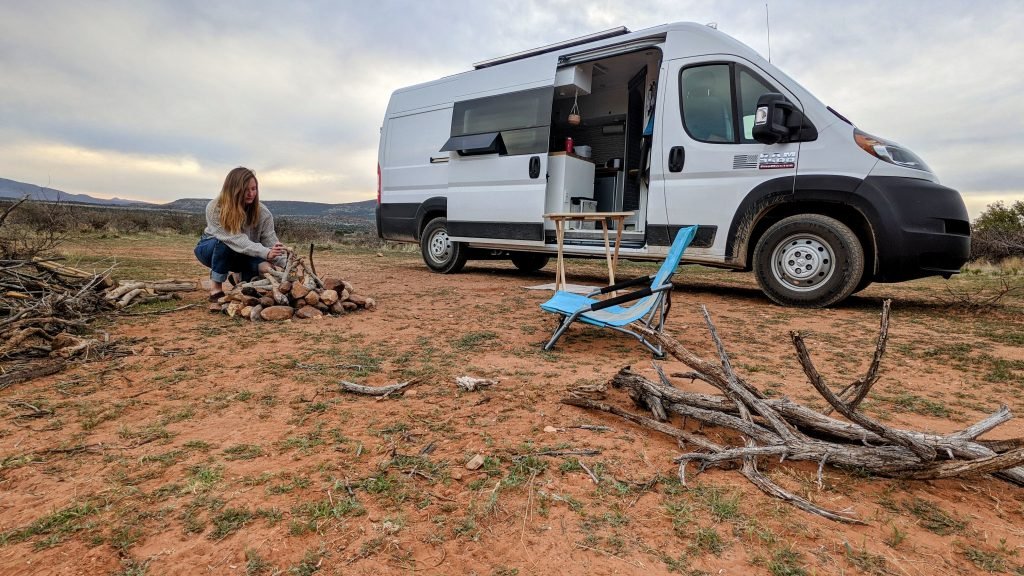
x,y
768,25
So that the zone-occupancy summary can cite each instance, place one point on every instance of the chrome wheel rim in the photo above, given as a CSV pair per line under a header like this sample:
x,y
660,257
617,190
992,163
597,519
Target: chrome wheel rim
x,y
440,247
802,262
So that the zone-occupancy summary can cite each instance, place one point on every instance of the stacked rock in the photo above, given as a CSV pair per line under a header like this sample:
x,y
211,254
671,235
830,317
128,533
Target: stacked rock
x,y
303,297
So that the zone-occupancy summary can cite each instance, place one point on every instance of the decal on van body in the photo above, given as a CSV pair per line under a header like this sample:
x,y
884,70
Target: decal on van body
x,y
774,160
741,161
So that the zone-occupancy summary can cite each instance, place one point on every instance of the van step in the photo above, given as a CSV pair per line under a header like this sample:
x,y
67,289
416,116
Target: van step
x,y
596,239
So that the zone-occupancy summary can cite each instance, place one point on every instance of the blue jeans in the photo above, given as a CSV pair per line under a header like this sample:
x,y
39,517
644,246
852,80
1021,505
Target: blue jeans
x,y
221,260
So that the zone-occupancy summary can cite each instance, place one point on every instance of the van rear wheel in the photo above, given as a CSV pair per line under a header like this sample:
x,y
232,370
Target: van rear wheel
x,y
529,261
808,261
439,252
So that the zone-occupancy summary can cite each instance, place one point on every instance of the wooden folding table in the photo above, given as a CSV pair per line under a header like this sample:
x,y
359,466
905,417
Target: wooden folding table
x,y
612,257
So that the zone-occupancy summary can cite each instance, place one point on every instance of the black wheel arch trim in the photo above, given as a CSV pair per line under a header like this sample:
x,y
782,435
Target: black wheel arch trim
x,y
434,205
763,198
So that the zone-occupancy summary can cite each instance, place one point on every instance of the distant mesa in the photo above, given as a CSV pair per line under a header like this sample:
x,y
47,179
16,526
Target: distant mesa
x,y
363,210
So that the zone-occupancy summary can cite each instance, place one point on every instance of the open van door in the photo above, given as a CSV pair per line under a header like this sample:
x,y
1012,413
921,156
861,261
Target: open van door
x,y
497,168
705,159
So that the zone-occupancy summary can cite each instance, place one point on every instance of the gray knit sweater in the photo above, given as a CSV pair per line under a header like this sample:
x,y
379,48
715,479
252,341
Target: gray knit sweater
x,y
251,241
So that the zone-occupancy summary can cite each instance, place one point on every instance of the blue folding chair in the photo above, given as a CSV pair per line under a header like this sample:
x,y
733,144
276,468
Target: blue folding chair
x,y
651,305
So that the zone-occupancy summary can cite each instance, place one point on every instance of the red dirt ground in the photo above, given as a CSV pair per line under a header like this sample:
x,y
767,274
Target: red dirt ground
x,y
225,447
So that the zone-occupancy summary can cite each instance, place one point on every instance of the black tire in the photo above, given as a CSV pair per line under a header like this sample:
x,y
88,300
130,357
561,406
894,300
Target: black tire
x,y
865,281
808,261
439,252
529,261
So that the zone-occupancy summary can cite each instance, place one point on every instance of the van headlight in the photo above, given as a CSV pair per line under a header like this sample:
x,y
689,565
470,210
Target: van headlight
x,y
889,151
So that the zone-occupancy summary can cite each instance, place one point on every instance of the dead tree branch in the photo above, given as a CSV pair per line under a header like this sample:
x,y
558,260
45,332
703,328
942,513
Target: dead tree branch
x,y
783,429
381,391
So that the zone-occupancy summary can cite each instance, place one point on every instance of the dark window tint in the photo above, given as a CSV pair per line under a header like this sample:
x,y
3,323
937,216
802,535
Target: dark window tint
x,y
750,89
707,103
522,118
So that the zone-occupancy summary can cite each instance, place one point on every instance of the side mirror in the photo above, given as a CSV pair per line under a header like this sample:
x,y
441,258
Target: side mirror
x,y
778,120
770,118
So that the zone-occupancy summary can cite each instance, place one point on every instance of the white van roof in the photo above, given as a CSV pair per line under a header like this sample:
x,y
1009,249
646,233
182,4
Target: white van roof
x,y
536,67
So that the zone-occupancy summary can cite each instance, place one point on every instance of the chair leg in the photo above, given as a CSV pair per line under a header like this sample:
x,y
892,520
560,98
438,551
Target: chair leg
x,y
656,351
659,354
561,330
558,334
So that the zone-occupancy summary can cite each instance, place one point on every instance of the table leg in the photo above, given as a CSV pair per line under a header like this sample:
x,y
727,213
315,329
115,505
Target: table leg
x,y
620,222
560,264
608,252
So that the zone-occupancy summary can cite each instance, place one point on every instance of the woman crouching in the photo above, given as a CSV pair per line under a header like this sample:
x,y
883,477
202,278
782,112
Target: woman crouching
x,y
239,236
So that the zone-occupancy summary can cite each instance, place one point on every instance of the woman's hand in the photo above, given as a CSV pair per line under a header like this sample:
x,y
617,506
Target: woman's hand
x,y
277,250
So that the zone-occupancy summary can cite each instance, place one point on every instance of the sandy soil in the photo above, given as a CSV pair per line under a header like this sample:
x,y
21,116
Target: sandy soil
x,y
225,447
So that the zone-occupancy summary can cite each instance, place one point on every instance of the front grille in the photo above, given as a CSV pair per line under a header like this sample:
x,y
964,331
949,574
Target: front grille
x,y
961,227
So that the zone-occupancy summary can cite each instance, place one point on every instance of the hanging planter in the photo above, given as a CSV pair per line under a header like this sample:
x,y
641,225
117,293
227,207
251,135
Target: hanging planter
x,y
574,112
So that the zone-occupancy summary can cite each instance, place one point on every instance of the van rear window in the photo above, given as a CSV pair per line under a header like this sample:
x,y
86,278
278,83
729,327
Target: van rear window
x,y
523,118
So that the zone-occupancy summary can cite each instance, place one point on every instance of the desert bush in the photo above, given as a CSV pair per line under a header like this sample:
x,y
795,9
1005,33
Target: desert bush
x,y
998,233
302,231
118,220
29,228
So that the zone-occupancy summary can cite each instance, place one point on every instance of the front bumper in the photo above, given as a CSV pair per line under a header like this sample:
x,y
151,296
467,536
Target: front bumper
x,y
921,228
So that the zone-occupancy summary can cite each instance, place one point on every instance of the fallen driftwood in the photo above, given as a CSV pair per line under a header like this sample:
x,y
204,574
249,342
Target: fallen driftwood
x,y
470,384
380,391
38,371
785,430
129,292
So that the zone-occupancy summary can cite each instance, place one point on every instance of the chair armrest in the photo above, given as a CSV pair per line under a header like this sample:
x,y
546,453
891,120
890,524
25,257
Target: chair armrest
x,y
623,284
641,293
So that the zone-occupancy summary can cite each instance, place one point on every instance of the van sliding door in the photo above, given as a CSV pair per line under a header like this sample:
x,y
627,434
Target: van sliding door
x,y
497,172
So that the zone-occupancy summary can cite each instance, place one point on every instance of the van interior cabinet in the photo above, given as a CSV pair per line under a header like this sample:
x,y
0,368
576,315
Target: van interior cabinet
x,y
608,190
569,177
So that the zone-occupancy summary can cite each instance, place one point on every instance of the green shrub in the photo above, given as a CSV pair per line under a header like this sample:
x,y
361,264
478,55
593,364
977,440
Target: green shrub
x,y
998,233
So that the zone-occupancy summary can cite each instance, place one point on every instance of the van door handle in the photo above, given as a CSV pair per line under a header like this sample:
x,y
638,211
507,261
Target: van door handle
x,y
535,167
676,159
438,159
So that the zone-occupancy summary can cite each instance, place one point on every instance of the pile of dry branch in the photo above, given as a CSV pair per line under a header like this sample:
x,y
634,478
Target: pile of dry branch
x,y
44,308
294,292
781,429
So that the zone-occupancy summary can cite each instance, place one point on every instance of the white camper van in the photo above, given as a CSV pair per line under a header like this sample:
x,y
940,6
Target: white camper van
x,y
679,124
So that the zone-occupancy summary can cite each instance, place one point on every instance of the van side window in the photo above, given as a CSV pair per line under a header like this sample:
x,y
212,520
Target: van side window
x,y
750,89
708,106
522,118
707,103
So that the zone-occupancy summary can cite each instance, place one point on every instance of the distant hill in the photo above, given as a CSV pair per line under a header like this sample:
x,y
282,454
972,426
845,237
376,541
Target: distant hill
x,y
363,210
15,189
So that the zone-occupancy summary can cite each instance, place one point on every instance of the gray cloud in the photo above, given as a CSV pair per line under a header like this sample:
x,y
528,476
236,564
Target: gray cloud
x,y
158,100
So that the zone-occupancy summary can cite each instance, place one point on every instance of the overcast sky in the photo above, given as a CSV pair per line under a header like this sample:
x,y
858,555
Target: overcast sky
x,y
158,100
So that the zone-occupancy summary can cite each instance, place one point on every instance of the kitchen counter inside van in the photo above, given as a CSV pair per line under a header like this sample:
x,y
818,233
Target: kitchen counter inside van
x,y
568,155
569,177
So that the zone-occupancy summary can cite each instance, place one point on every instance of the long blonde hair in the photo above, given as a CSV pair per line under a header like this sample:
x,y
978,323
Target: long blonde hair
x,y
234,214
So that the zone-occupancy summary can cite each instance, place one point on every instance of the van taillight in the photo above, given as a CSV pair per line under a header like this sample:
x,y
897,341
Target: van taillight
x,y
378,184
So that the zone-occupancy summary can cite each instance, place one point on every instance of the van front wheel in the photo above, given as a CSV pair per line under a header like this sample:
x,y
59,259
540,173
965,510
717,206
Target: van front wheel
x,y
529,261
439,252
808,261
